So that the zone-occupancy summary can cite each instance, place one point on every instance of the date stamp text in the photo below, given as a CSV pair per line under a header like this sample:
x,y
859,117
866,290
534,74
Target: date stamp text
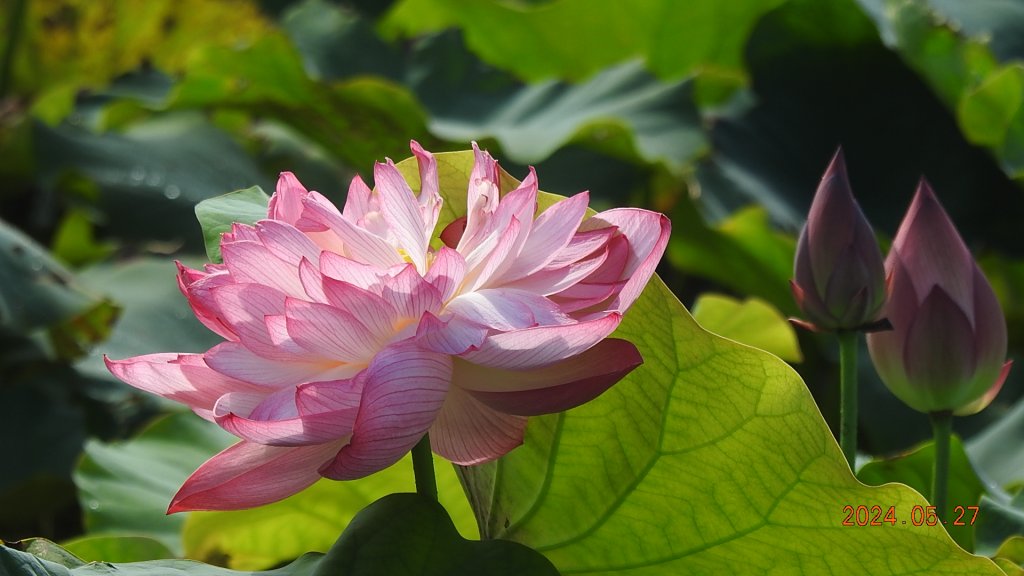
x,y
876,515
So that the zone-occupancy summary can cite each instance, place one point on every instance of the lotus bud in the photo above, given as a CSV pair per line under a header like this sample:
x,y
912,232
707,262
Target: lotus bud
x,y
947,346
839,279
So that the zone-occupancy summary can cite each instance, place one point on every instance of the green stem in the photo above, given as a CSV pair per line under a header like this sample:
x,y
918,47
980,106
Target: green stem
x,y
14,26
848,391
423,469
942,426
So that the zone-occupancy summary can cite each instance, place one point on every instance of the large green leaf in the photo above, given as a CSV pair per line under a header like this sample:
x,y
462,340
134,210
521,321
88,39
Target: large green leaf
x,y
915,470
409,535
574,39
711,457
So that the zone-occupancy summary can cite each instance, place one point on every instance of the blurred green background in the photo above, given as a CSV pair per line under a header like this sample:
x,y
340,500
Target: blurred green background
x,y
118,116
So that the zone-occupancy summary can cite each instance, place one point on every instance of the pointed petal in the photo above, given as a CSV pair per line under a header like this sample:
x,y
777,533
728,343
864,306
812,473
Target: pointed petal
x,y
196,287
357,203
404,388
930,247
551,233
372,311
446,272
286,203
844,285
347,270
329,332
287,242
251,262
402,213
247,475
410,294
277,420
358,243
609,357
467,432
615,258
887,347
312,281
902,303
184,378
939,352
543,345
454,335
555,280
584,295
519,206
481,198
237,361
239,233
430,197
507,309
830,222
490,257
581,245
648,234
244,308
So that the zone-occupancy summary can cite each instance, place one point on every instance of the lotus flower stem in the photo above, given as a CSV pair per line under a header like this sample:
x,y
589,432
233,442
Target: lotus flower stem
x,y
848,391
423,469
942,425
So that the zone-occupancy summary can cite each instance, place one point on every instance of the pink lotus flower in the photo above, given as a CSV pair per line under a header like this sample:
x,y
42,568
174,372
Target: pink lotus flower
x,y
348,336
947,346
